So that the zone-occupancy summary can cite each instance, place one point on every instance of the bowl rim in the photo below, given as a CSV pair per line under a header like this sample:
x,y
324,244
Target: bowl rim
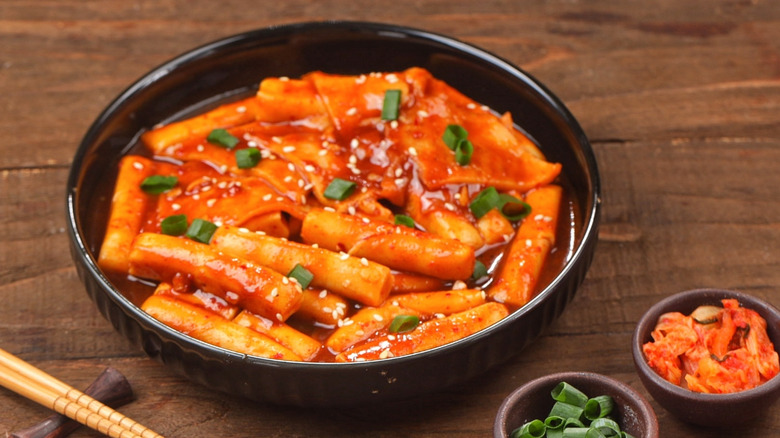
x,y
646,411
589,220
707,295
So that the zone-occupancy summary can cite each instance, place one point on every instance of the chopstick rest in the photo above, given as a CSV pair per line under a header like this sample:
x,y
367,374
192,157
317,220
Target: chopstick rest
x,y
26,380
110,387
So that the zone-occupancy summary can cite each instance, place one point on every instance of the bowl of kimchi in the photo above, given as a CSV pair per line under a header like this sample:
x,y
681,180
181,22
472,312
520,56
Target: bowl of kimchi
x,y
709,356
333,213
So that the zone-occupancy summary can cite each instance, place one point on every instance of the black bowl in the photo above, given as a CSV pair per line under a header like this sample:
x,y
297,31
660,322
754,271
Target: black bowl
x,y
235,65
532,401
712,410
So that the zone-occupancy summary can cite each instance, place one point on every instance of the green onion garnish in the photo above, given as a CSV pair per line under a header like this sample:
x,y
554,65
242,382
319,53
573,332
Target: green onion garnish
x,y
221,137
574,415
201,230
402,219
247,158
510,207
598,407
174,225
157,184
485,201
391,105
463,152
479,270
339,189
302,275
568,394
453,134
455,138
403,324
532,429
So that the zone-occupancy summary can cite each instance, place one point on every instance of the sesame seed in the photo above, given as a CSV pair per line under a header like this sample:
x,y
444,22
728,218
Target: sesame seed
x,y
175,207
392,78
288,178
288,149
223,168
366,221
422,113
301,183
322,152
352,111
364,261
200,148
354,143
378,317
385,354
276,139
314,245
390,337
326,309
400,181
279,198
284,78
279,317
211,202
399,172
267,197
323,294
352,159
137,165
343,255
309,168
394,124
351,210
241,109
291,167
222,184
286,280
330,209
459,285
471,105
252,144
449,206
413,151
196,197
360,79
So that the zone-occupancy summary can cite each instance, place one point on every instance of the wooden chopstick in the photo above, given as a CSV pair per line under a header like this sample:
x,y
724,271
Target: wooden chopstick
x,y
28,381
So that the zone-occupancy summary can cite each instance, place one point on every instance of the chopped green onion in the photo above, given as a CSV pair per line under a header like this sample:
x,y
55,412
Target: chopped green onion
x,y
575,432
391,105
402,219
453,134
485,201
607,426
599,407
221,137
201,230
339,189
480,270
157,184
510,207
302,275
554,422
512,204
574,415
566,393
463,152
403,324
247,158
532,429
566,410
174,225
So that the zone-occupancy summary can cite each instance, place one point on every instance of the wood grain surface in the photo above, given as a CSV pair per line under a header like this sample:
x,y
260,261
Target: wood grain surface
x,y
681,100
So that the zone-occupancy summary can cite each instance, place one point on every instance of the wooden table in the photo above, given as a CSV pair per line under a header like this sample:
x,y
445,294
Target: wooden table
x,y
681,101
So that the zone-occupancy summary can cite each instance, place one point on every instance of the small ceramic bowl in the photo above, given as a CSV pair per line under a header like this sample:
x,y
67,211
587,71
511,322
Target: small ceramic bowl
x,y
533,401
698,408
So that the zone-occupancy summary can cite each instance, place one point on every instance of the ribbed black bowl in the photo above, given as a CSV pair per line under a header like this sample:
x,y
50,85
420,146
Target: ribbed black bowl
x,y
235,65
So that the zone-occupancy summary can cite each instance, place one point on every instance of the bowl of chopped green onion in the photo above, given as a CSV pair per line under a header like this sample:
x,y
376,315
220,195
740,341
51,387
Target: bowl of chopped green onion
x,y
575,404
